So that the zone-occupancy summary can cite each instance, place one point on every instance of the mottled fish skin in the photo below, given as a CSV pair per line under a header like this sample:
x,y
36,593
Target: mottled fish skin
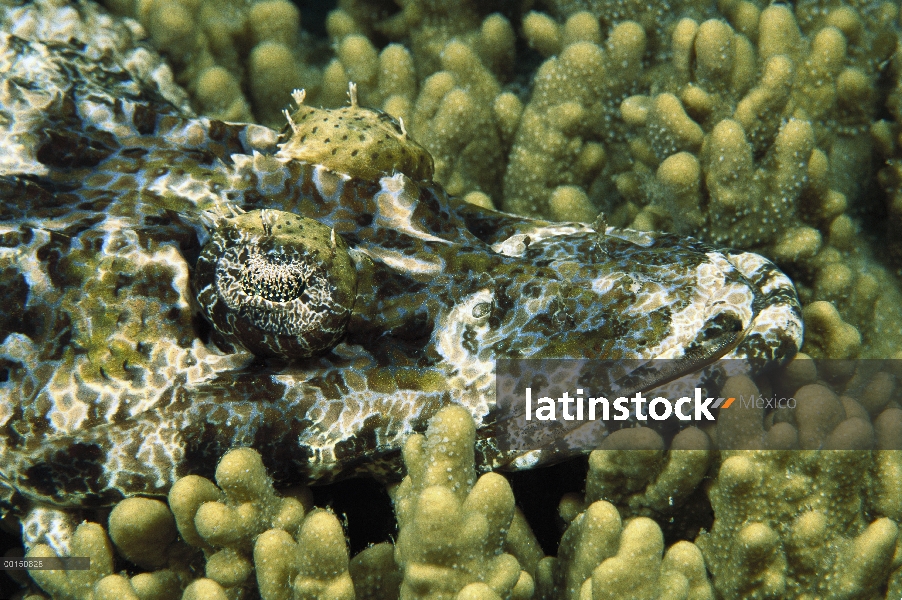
x,y
112,384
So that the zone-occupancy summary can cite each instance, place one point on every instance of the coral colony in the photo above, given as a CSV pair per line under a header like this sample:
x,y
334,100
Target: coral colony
x,y
193,275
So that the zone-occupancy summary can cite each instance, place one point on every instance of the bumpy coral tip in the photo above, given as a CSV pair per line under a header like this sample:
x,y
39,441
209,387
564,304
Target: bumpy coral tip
x,y
298,96
352,93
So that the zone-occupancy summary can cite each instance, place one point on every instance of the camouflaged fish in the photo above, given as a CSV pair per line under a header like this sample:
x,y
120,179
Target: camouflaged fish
x,y
173,287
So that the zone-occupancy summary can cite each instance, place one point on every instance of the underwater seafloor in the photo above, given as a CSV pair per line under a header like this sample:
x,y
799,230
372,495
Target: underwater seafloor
x,y
772,128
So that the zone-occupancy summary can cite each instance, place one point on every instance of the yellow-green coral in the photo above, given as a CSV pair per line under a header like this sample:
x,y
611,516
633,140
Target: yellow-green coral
x,y
788,524
234,58
793,523
754,134
428,27
100,582
459,537
741,123
641,481
791,113
571,111
251,537
456,119
451,525
453,101
246,528
602,557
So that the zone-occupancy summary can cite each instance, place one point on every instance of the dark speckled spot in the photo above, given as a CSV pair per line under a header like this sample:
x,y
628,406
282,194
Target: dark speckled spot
x,y
77,469
145,119
67,150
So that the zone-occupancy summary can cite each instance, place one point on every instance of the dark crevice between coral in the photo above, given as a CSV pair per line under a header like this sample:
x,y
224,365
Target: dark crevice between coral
x,y
688,519
314,13
10,545
876,225
538,493
528,62
364,508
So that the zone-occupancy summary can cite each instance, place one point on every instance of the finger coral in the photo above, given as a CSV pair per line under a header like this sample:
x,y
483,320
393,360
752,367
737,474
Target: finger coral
x,y
757,134
771,127
747,125
250,537
789,524
452,525
143,532
602,557
245,527
647,482
231,57
807,518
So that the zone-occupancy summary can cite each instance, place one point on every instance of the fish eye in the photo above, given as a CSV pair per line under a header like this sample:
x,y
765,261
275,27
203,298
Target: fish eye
x,y
276,284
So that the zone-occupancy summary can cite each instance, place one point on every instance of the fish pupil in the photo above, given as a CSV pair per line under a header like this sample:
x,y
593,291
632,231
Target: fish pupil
x,y
274,277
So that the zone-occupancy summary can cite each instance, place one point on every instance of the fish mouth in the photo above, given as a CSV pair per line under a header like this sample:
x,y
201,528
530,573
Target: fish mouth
x,y
776,332
658,372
